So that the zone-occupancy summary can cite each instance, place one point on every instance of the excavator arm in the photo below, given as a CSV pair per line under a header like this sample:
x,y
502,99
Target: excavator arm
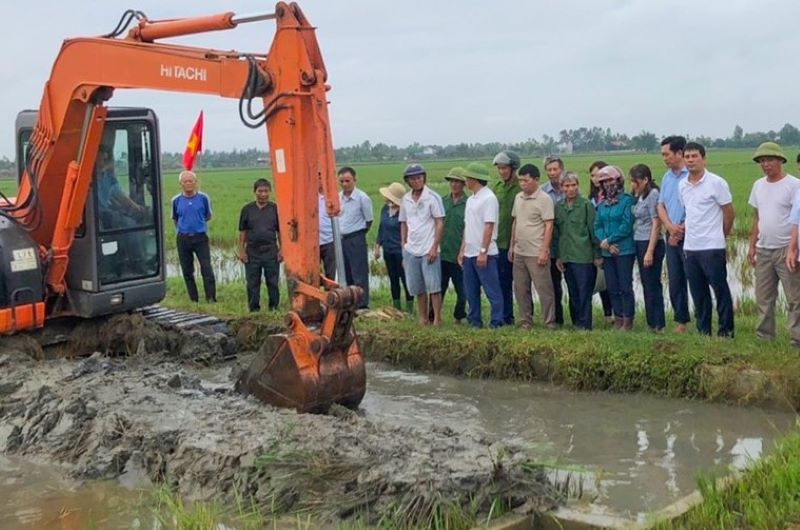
x,y
318,361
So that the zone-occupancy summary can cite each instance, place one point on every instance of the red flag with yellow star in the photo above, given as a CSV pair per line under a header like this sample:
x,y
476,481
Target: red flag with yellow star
x,y
194,145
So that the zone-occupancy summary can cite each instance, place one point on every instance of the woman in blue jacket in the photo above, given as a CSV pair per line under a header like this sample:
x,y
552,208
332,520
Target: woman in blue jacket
x,y
613,227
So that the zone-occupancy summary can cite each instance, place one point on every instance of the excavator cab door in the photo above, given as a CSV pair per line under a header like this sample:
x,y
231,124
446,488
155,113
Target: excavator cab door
x,y
116,261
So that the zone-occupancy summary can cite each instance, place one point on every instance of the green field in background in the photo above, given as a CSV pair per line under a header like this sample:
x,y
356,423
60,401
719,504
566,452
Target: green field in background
x,y
231,189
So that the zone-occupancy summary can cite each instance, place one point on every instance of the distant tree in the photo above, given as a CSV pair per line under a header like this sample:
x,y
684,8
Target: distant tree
x,y
645,141
789,135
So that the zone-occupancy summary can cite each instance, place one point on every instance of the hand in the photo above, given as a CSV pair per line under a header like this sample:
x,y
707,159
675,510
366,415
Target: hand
x,y
604,244
544,257
482,260
559,265
679,230
280,256
460,259
613,250
243,256
433,253
751,255
673,241
791,259
598,262
511,254
648,259
376,253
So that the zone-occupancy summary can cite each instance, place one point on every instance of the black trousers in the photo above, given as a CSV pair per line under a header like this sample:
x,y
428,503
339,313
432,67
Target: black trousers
x,y
356,263
394,268
707,270
258,264
505,272
452,272
327,254
189,246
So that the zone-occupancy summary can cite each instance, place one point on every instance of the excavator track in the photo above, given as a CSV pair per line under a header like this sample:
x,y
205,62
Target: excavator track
x,y
177,319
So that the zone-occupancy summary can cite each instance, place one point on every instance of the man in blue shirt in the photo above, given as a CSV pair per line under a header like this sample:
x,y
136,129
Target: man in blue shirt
x,y
355,219
191,212
673,216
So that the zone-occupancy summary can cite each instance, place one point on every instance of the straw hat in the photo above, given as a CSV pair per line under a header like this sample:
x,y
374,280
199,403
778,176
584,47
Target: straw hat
x,y
608,173
393,192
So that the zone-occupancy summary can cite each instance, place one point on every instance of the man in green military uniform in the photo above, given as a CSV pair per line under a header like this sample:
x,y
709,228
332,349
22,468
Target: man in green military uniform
x,y
454,204
506,190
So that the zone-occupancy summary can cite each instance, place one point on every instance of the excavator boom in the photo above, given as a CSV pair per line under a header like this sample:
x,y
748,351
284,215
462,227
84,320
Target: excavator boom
x,y
318,360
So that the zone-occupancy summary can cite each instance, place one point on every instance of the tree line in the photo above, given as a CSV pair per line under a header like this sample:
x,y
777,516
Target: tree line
x,y
580,140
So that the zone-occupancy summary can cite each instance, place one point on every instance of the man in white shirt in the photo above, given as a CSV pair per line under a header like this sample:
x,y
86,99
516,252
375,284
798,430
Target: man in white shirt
x,y
421,224
707,200
478,254
771,199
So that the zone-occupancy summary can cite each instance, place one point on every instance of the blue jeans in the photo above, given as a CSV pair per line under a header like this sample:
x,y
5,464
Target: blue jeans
x,y
580,285
709,268
651,283
476,277
678,289
505,270
619,283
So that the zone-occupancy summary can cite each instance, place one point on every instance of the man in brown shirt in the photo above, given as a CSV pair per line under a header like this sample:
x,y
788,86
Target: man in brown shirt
x,y
531,235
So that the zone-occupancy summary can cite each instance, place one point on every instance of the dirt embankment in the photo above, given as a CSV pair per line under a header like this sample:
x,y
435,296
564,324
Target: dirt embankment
x,y
155,405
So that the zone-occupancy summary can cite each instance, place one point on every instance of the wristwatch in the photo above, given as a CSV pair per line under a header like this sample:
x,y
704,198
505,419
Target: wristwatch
x,y
483,250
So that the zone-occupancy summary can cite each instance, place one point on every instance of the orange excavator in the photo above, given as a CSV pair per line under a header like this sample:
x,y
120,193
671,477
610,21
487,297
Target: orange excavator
x,y
84,235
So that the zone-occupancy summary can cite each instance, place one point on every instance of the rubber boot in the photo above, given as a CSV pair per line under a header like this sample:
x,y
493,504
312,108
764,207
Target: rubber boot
x,y
410,306
396,304
618,322
627,323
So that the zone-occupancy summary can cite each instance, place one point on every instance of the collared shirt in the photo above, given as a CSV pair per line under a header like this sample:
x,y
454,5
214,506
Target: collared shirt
x,y
325,225
505,193
556,194
420,218
773,200
356,211
191,213
530,213
453,227
260,224
575,223
644,212
389,232
482,207
703,201
669,195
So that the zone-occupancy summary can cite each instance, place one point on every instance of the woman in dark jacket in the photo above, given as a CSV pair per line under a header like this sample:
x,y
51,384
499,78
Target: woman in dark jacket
x,y
389,239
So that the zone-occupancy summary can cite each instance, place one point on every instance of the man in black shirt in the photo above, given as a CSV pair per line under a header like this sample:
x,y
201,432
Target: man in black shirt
x,y
259,246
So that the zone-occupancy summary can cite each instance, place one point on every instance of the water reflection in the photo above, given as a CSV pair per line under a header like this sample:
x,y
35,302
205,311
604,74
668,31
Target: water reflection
x,y
636,453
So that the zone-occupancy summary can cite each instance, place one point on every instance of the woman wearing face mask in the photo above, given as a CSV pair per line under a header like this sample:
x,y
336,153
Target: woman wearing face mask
x,y
650,247
613,227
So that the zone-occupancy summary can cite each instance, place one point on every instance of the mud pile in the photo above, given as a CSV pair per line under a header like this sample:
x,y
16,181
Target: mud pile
x,y
152,405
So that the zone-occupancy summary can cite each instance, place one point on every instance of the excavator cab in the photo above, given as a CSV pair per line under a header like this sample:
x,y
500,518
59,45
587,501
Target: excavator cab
x,y
117,258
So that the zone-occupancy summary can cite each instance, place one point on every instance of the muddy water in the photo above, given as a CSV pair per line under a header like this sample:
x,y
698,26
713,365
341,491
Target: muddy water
x,y
36,496
635,454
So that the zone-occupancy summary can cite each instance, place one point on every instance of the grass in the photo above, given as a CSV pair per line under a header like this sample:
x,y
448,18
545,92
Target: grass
x,y
230,189
767,496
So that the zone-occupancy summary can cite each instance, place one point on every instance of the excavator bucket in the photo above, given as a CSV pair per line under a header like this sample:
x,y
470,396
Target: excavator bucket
x,y
310,369
286,373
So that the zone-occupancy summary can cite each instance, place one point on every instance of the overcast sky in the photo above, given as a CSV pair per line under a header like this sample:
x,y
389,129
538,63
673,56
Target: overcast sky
x,y
445,72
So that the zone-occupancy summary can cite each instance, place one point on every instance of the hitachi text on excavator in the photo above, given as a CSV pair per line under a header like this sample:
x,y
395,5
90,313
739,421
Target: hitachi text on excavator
x,y
84,235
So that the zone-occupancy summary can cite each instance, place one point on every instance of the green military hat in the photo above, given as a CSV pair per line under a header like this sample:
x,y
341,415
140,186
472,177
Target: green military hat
x,y
457,173
769,149
477,171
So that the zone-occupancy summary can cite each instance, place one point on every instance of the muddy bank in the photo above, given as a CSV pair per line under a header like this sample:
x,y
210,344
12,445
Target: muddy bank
x,y
143,409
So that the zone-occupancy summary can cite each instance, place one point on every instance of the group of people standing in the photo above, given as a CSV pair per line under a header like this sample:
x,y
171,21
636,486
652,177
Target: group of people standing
x,y
512,236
